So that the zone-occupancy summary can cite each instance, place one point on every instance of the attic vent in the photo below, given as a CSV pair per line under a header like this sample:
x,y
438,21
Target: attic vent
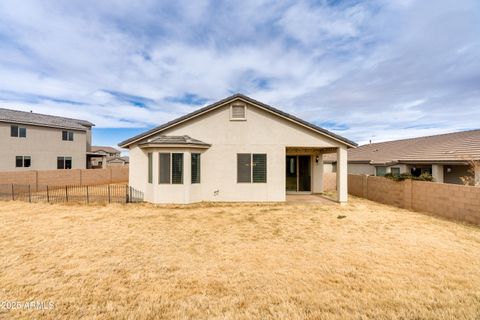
x,y
238,112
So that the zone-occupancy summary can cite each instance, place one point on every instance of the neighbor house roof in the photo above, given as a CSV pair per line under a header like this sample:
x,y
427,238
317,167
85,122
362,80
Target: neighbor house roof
x,y
44,120
104,148
174,140
451,147
116,159
227,100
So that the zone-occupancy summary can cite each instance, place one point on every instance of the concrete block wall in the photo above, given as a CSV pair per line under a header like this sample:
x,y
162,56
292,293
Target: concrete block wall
x,y
81,177
329,181
445,200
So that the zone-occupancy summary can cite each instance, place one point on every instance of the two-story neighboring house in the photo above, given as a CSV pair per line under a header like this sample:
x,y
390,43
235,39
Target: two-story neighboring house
x,y
32,141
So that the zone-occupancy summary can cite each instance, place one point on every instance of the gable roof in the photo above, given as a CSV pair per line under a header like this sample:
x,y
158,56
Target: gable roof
x,y
104,148
450,147
44,120
222,102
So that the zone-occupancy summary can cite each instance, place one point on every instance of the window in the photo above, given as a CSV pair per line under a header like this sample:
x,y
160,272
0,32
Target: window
x,y
395,171
251,168
164,168
67,135
23,161
170,168
64,162
195,167
19,132
259,168
380,171
150,168
238,112
177,168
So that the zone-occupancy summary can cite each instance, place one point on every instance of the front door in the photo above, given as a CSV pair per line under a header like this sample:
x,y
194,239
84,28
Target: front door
x,y
298,174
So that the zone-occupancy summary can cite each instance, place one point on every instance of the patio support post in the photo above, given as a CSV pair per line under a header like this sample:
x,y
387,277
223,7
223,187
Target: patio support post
x,y
318,173
342,178
437,173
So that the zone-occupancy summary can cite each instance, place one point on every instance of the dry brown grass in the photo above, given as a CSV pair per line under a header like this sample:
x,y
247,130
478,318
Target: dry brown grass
x,y
245,261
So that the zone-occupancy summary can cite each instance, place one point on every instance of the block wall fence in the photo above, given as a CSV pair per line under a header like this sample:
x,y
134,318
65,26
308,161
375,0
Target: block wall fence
x,y
445,200
78,177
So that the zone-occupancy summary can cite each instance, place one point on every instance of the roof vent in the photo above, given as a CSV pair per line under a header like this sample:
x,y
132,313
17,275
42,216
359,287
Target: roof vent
x,y
238,111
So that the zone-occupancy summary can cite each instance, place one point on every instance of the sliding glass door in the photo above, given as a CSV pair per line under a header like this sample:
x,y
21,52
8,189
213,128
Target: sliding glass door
x,y
298,174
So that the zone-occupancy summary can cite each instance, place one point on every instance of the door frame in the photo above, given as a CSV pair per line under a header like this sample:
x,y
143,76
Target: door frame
x,y
298,173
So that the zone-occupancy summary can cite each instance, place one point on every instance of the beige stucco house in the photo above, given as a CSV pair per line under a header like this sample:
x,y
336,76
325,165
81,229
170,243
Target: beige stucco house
x,y
33,141
103,156
237,149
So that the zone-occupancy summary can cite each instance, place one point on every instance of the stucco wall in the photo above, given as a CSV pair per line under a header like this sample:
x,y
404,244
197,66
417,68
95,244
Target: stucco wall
x,y
65,177
262,132
43,145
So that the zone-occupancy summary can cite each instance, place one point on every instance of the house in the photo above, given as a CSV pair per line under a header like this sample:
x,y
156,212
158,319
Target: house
x,y
446,157
118,162
236,149
99,156
33,141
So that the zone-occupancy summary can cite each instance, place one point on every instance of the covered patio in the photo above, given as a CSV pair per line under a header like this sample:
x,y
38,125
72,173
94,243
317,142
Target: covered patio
x,y
304,171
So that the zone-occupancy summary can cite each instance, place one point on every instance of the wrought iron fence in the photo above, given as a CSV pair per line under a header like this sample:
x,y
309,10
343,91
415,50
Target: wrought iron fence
x,y
73,193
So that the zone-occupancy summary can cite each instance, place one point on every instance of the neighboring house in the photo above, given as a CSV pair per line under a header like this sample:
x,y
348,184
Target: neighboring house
x,y
446,156
33,141
99,156
118,162
237,149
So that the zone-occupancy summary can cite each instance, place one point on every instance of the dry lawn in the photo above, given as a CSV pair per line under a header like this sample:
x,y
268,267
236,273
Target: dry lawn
x,y
243,261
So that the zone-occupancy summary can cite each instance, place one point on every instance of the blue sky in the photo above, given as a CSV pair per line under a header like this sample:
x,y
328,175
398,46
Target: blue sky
x,y
367,70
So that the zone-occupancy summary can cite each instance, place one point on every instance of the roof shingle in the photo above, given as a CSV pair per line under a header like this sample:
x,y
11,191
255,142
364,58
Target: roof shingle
x,y
22,117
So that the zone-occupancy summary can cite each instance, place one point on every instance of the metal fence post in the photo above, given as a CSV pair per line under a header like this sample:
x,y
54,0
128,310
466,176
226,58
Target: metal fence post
x,y
13,193
66,193
48,195
29,193
126,194
88,200
109,200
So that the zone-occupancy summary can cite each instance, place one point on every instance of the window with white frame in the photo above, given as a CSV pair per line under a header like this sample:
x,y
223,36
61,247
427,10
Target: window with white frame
x,y
170,168
23,161
67,135
251,168
64,162
195,167
18,132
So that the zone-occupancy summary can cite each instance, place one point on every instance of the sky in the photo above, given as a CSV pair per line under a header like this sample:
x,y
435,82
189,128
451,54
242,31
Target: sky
x,y
367,70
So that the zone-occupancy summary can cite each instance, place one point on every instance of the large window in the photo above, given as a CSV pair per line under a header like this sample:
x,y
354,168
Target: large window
x,y
195,167
19,132
395,171
170,168
150,168
64,162
23,161
67,135
380,171
251,168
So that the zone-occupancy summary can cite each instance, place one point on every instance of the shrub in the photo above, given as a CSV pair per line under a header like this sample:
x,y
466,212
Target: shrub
x,y
403,176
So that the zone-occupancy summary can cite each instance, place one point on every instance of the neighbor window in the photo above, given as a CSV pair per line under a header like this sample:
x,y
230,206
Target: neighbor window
x,y
238,112
150,168
19,132
195,167
251,168
23,161
395,171
380,171
170,168
64,162
67,135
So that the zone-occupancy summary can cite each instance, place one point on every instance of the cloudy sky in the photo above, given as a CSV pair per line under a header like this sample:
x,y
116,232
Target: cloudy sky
x,y
378,70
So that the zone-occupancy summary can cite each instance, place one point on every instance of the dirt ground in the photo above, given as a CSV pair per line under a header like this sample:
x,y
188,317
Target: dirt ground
x,y
241,261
